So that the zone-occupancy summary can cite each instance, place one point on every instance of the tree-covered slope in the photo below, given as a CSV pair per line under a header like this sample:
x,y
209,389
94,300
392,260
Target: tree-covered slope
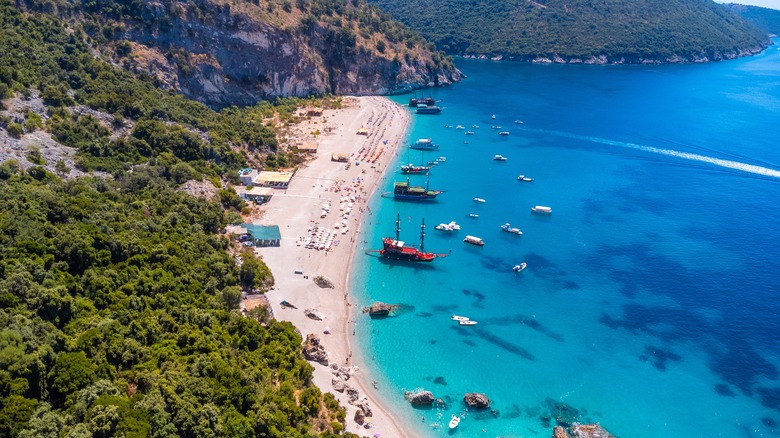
x,y
118,317
765,19
581,30
119,295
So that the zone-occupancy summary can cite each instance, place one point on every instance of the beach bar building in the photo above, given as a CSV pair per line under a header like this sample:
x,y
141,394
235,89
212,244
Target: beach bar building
x,y
276,180
309,146
264,235
259,195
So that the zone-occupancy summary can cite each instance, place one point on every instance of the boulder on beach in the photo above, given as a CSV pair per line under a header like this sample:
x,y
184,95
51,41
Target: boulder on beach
x,y
363,406
419,397
360,417
476,400
314,314
314,351
323,282
380,309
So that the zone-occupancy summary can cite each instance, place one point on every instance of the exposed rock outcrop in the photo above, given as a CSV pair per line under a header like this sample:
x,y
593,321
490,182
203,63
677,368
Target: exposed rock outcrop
x,y
581,431
419,397
476,400
314,351
590,431
380,309
223,54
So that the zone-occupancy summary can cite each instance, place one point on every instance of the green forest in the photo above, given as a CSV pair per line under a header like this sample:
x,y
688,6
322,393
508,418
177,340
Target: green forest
x,y
629,29
765,19
119,318
119,295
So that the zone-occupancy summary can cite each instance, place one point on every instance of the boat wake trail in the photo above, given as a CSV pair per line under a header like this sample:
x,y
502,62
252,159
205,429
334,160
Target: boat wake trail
x,y
737,165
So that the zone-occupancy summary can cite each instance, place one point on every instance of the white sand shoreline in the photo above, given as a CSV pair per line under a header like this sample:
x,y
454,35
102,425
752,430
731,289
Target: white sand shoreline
x,y
299,207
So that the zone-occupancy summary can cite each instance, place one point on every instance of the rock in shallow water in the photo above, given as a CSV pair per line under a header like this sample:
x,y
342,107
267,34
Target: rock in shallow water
x,y
476,400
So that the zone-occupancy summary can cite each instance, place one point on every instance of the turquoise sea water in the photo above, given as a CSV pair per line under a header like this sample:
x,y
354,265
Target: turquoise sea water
x,y
651,301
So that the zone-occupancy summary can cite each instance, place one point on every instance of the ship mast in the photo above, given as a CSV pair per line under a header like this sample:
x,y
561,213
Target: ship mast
x,y
422,236
398,227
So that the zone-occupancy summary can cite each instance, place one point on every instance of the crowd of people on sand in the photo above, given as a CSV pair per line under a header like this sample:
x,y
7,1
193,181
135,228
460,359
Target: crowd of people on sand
x,y
372,151
350,193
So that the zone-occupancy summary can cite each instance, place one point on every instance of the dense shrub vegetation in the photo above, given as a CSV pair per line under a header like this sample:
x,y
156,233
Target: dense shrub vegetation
x,y
118,318
631,29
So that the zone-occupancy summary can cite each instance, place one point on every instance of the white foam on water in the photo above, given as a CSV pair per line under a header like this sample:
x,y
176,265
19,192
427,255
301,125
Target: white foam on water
x,y
737,165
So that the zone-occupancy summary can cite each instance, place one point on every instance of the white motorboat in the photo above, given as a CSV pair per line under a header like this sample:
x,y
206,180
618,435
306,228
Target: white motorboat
x,y
503,133
520,267
510,229
454,421
479,200
518,122
494,117
459,127
474,240
459,318
475,126
469,132
541,209
498,157
441,159
467,322
524,178
444,227
473,215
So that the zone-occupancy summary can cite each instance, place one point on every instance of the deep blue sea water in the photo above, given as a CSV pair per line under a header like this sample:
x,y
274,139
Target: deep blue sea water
x,y
651,301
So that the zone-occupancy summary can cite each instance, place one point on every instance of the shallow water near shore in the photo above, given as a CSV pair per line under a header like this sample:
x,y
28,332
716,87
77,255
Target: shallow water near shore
x,y
650,302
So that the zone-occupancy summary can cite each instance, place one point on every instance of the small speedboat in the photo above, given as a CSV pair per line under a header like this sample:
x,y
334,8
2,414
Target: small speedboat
x,y
441,159
494,117
459,318
459,127
520,267
510,229
467,322
479,200
469,132
475,126
524,178
499,158
473,215
503,133
454,421
518,122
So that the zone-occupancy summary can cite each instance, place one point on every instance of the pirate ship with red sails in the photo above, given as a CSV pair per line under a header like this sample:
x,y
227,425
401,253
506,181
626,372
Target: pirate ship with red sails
x,y
398,250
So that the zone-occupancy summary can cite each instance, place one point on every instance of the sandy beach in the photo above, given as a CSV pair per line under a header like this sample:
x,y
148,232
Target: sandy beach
x,y
345,189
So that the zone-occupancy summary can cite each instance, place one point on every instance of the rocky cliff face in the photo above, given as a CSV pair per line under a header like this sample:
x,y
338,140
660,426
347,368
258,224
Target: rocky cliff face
x,y
223,56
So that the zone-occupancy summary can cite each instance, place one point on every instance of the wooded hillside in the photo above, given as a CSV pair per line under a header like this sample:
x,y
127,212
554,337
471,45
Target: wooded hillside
x,y
581,30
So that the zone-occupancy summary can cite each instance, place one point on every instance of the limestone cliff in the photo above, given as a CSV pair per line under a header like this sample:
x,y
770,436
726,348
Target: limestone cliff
x,y
232,53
